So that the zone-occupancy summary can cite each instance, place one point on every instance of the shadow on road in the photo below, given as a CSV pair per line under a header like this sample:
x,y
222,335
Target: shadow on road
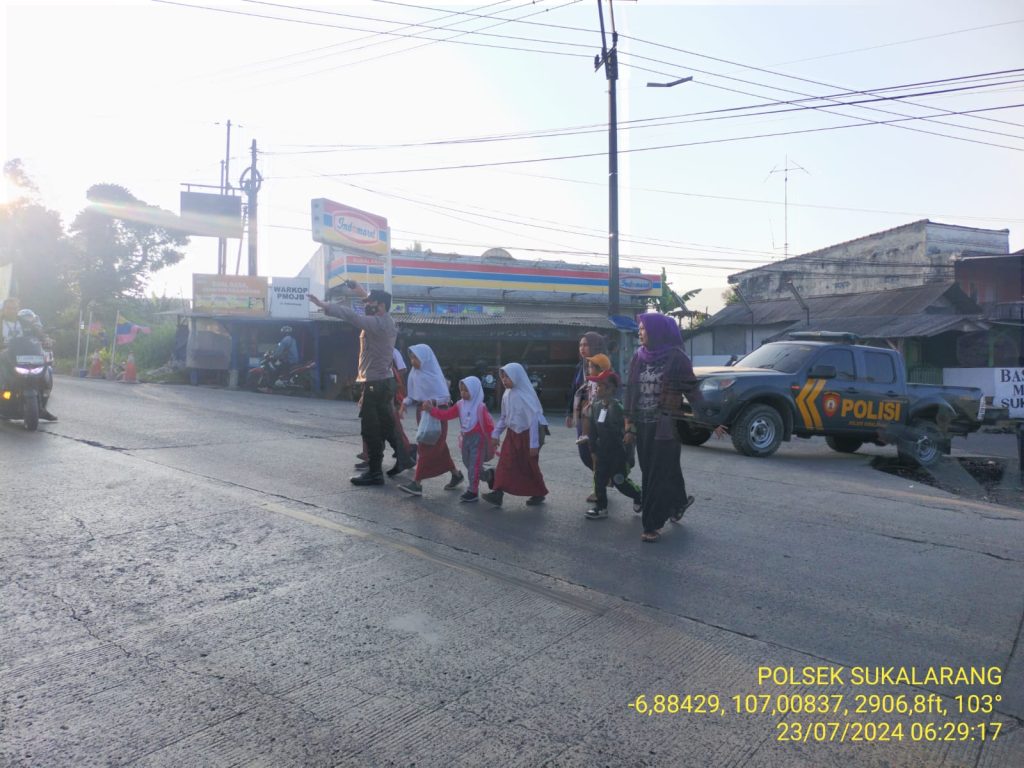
x,y
983,478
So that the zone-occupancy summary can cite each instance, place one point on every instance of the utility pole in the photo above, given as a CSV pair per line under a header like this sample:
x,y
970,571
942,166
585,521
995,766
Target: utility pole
x,y
785,199
250,182
225,188
609,60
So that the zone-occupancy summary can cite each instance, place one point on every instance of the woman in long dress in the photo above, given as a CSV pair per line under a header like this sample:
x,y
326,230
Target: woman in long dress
x,y
660,374
427,388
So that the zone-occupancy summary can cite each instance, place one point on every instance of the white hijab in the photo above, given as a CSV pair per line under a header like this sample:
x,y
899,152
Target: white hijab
x,y
519,405
427,382
469,410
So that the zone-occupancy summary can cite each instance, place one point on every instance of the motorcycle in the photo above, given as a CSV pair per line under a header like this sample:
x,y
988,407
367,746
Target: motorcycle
x,y
270,376
535,380
26,379
489,384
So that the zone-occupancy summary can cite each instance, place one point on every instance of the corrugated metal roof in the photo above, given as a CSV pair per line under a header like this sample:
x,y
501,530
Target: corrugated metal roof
x,y
893,326
540,317
896,302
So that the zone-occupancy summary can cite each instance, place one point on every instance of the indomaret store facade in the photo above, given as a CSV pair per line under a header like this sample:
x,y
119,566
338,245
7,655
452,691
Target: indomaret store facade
x,y
478,312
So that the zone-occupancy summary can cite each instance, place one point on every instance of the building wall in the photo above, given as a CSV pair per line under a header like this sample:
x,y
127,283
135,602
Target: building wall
x,y
991,281
428,280
729,340
902,257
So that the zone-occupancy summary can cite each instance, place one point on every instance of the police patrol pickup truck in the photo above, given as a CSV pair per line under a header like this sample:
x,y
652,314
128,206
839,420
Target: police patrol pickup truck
x,y
827,384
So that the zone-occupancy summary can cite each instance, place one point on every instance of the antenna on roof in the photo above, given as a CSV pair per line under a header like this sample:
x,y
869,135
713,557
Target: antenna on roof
x,y
786,168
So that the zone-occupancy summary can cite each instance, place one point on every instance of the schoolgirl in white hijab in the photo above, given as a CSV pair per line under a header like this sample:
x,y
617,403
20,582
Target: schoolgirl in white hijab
x,y
426,380
469,410
427,388
518,471
520,408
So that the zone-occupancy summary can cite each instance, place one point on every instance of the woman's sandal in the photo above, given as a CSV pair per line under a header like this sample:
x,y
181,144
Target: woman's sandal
x,y
679,513
650,538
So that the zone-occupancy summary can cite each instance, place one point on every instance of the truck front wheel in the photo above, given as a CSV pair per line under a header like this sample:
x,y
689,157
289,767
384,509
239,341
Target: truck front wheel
x,y
923,446
693,435
758,431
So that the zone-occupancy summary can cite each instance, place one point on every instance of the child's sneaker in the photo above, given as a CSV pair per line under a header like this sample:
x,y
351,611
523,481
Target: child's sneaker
x,y
535,501
596,514
468,497
454,482
412,487
494,497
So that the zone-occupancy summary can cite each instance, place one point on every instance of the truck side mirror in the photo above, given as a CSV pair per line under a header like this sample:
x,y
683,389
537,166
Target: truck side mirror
x,y
822,372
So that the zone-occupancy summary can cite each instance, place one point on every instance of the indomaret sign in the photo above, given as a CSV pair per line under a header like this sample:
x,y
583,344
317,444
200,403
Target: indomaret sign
x,y
349,228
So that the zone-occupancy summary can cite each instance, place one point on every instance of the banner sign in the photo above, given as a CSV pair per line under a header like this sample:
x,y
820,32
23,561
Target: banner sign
x,y
1010,391
229,294
411,308
468,309
349,228
288,297
211,215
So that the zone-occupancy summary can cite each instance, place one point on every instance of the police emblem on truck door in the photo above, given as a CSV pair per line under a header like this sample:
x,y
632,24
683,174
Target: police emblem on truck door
x,y
830,403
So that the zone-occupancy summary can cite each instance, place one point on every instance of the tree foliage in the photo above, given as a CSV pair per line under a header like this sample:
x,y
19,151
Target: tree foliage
x,y
729,296
32,239
122,241
670,299
102,263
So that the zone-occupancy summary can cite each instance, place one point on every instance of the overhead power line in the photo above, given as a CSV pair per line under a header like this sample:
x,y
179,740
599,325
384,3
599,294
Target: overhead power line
x,y
336,49
904,42
309,22
731,113
776,73
831,109
500,21
582,155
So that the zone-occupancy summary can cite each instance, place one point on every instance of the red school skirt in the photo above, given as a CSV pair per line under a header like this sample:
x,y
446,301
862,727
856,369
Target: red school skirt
x,y
518,473
433,460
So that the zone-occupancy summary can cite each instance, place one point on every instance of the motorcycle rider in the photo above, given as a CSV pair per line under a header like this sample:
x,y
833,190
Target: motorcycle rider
x,y
286,354
21,322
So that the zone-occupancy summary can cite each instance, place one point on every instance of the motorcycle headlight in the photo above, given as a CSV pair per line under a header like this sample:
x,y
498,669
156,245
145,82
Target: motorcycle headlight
x,y
716,385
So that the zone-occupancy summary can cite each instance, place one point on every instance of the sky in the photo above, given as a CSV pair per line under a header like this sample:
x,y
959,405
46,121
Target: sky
x,y
484,124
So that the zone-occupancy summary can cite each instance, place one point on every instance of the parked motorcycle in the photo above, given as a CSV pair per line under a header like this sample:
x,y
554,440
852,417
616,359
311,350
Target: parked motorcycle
x,y
26,379
536,380
270,376
489,384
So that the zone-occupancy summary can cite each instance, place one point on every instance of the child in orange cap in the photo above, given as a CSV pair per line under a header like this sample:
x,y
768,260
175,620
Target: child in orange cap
x,y
596,365
606,428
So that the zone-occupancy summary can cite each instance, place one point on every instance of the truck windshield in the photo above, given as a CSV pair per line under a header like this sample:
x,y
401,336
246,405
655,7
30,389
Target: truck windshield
x,y
780,356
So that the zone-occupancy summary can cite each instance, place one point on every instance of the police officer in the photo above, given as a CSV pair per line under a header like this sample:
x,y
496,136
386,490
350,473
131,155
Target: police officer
x,y
377,336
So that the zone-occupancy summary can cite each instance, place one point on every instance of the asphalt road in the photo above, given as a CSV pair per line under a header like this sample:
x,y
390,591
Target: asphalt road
x,y
188,578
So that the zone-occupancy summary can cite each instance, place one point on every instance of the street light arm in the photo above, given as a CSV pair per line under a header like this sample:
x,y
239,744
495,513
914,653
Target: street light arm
x,y
669,85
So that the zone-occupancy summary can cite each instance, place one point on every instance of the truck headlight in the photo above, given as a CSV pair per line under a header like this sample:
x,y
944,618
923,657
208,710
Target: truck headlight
x,y
716,385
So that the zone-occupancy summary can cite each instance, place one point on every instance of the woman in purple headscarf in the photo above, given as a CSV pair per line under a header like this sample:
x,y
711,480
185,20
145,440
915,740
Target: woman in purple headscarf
x,y
660,374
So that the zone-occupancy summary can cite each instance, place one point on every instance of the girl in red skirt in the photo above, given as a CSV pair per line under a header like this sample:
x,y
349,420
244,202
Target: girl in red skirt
x,y
518,470
427,389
